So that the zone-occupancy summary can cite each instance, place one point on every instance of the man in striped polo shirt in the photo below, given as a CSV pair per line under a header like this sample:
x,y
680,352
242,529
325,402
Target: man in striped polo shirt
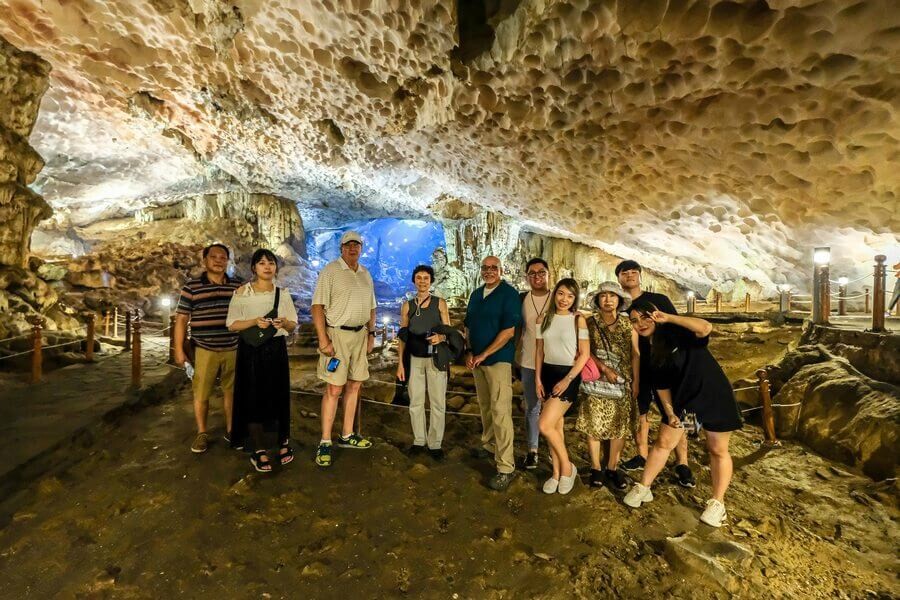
x,y
204,305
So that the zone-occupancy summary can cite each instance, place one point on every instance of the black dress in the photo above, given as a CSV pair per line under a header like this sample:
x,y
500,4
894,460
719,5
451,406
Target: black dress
x,y
262,391
697,382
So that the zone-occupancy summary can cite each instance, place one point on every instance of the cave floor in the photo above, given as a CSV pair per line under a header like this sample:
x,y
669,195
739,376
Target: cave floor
x,y
136,515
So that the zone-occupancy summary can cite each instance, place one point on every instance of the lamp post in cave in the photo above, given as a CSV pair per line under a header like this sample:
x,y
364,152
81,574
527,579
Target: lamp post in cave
x,y
878,303
842,295
691,297
821,288
784,298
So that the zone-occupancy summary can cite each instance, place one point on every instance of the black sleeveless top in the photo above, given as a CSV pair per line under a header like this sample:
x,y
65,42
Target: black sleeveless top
x,y
427,320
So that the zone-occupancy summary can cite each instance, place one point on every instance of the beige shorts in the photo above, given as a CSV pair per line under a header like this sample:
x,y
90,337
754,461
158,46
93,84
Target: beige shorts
x,y
208,365
350,349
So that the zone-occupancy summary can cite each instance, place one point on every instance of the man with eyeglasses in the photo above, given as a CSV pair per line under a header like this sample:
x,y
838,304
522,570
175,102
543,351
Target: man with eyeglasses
x,y
492,315
629,274
534,305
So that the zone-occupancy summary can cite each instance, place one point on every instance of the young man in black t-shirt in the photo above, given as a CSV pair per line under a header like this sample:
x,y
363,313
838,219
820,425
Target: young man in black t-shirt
x,y
628,273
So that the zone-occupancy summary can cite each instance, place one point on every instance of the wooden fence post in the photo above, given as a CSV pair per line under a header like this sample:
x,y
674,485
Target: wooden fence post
x,y
867,300
842,299
116,322
747,302
37,356
127,330
878,303
718,301
136,352
89,348
172,339
106,314
765,398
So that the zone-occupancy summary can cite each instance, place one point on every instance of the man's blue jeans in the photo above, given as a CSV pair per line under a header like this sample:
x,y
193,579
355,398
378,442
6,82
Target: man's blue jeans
x,y
532,408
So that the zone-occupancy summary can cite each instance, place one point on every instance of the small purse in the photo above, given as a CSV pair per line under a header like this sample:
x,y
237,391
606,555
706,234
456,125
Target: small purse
x,y
256,336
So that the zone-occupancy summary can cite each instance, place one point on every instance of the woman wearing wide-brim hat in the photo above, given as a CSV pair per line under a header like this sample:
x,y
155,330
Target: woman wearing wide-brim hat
x,y
608,410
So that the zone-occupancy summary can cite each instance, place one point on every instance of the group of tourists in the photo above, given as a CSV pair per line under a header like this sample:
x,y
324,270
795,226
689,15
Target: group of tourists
x,y
606,369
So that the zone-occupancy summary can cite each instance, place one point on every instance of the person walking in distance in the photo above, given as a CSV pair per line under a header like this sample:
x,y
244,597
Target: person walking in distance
x,y
492,315
203,305
343,312
629,273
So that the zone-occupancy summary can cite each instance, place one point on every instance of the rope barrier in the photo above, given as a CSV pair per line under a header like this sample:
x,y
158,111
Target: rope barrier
x,y
746,410
24,335
847,297
8,356
749,387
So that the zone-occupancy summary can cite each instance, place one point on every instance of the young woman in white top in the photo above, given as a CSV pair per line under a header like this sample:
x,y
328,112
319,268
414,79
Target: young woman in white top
x,y
561,350
262,385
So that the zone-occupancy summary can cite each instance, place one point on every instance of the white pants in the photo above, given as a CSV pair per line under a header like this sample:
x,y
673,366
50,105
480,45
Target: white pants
x,y
423,374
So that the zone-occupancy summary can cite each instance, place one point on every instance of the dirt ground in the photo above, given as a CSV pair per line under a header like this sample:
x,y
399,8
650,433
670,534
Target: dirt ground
x,y
139,516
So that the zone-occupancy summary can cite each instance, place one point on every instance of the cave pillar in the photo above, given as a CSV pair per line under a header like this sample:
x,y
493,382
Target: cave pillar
x,y
23,81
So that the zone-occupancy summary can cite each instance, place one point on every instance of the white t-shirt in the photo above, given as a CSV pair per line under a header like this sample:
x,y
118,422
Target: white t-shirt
x,y
560,341
249,304
487,290
529,322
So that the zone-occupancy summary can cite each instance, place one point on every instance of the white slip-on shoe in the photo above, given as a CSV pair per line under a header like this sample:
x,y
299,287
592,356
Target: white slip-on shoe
x,y
715,514
567,483
551,485
638,495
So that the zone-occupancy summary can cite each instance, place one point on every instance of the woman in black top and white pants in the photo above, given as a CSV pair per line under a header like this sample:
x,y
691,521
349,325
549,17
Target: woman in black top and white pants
x,y
421,316
686,378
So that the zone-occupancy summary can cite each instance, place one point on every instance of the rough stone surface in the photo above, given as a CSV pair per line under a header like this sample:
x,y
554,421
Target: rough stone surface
x,y
23,80
837,410
719,140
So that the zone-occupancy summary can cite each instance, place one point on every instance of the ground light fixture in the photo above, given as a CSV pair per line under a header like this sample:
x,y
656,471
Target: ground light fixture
x,y
843,281
690,294
165,302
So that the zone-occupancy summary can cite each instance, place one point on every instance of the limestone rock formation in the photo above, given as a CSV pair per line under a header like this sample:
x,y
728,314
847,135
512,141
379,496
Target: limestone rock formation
x,y
723,139
23,80
838,410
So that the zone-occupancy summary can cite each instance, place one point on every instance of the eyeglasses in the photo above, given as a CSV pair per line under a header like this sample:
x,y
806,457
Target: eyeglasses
x,y
489,268
537,274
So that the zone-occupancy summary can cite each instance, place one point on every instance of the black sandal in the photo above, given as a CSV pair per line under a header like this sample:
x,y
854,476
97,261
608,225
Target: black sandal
x,y
258,464
286,454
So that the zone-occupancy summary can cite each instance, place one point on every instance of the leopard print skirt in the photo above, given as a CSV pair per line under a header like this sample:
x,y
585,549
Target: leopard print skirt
x,y
607,418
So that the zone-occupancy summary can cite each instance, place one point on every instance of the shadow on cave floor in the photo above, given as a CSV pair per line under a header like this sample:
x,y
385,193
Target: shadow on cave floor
x,y
139,516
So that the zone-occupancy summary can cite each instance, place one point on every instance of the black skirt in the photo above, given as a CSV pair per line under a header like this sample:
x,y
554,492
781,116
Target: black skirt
x,y
553,374
262,391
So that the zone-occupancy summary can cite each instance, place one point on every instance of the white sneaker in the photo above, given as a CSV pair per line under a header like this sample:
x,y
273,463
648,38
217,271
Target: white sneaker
x,y
567,483
638,495
715,514
551,485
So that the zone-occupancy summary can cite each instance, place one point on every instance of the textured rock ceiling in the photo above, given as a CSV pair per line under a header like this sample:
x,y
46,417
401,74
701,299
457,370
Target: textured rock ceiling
x,y
711,139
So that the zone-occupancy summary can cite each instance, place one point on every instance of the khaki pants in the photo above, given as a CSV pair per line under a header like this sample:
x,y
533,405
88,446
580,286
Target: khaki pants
x,y
423,374
494,387
350,349
207,365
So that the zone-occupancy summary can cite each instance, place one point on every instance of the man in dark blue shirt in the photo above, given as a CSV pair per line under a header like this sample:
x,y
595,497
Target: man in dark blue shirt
x,y
493,312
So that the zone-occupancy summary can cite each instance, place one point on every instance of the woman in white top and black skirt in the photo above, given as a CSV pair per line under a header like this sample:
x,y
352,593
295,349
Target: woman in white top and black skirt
x,y
264,315
562,349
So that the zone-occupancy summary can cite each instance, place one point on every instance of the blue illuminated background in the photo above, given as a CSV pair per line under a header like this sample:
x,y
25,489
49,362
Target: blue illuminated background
x,y
391,249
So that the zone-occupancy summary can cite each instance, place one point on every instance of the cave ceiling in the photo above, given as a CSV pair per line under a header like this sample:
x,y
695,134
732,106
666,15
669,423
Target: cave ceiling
x,y
711,139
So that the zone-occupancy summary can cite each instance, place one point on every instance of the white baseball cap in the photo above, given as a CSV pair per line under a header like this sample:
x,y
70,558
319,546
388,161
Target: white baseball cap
x,y
350,236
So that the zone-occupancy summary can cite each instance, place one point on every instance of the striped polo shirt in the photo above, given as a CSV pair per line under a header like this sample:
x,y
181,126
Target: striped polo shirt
x,y
206,305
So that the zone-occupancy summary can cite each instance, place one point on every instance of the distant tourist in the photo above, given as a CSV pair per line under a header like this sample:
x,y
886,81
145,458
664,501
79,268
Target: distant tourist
x,y
492,315
628,273
343,312
204,305
896,295
686,378
264,315
534,305
608,410
421,318
561,351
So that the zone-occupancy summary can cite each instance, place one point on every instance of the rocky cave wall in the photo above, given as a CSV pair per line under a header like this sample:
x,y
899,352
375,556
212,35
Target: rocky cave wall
x,y
472,234
721,139
24,77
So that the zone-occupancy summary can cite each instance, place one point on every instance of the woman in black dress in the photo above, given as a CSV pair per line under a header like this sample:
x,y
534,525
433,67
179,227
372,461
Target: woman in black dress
x,y
264,315
686,378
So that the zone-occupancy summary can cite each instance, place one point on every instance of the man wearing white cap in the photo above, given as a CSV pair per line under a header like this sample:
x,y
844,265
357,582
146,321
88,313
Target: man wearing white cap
x,y
343,312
